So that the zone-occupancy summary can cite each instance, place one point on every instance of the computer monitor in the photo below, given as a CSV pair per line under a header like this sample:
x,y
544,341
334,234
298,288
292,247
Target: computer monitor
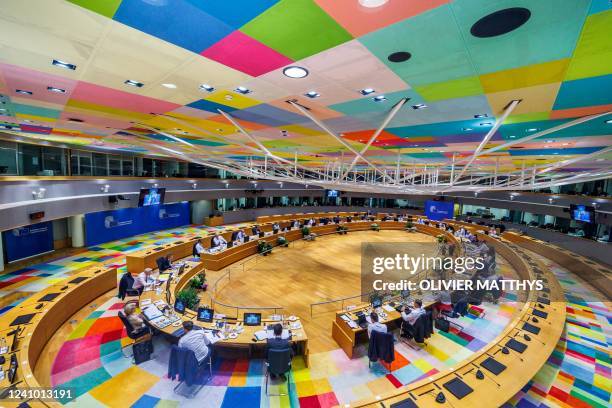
x,y
12,373
377,302
179,306
181,269
405,294
262,234
205,314
252,319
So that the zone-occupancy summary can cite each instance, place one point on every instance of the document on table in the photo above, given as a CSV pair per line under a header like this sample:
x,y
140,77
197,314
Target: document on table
x,y
388,308
211,337
261,335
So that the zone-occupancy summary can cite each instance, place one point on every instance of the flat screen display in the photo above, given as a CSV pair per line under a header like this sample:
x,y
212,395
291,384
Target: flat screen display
x,y
332,193
205,314
252,319
151,196
582,213
179,306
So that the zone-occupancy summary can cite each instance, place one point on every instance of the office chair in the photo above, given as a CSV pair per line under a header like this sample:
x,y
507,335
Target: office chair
x,y
179,364
137,337
125,287
279,362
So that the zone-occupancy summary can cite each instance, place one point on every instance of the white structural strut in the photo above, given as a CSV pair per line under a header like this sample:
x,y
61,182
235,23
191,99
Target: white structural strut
x,y
378,131
487,137
332,134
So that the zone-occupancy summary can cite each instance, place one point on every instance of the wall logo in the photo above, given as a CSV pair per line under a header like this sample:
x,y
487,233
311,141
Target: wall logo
x,y
23,231
163,214
110,222
434,210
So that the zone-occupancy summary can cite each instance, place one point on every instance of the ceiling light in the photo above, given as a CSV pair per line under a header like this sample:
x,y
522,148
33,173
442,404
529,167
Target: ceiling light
x,y
5,126
512,137
207,88
500,22
379,98
367,91
480,116
555,152
549,141
312,94
599,160
531,130
228,97
21,91
372,3
400,56
466,129
485,124
170,86
295,72
609,121
54,89
242,90
134,83
419,106
63,64
565,144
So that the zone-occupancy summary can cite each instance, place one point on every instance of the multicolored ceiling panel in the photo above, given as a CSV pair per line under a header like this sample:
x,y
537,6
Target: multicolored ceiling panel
x,y
212,76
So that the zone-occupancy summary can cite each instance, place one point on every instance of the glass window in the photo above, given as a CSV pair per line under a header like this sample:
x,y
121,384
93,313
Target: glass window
x,y
30,160
99,165
53,161
85,164
114,165
127,166
8,158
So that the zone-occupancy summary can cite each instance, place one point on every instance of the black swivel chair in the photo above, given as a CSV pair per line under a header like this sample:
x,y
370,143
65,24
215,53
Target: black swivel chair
x,y
125,286
136,336
279,362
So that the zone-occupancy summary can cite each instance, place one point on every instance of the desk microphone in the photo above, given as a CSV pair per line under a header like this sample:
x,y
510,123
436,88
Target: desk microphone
x,y
526,336
506,350
481,375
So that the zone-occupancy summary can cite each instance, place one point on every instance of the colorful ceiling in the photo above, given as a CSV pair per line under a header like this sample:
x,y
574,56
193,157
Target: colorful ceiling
x,y
558,63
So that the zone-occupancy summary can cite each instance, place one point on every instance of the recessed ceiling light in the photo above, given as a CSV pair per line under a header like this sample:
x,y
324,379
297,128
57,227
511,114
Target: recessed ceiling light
x,y
242,90
500,22
512,137
379,98
170,86
312,94
2,110
609,121
599,160
134,83
295,72
485,124
54,89
75,120
63,64
372,3
207,88
399,56
466,129
531,130
367,91
419,106
549,141
21,91
6,126
480,116
546,146
228,97
565,144
555,152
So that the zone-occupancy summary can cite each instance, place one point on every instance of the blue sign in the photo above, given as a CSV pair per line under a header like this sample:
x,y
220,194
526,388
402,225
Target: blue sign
x,y
439,210
105,226
28,241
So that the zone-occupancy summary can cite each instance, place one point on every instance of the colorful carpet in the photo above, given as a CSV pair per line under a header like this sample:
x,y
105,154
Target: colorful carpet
x,y
92,364
578,373
16,286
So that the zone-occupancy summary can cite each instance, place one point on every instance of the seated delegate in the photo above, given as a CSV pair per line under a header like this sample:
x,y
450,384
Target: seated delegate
x,y
238,236
255,230
194,340
165,262
375,325
275,227
135,319
218,242
410,315
276,342
198,248
143,279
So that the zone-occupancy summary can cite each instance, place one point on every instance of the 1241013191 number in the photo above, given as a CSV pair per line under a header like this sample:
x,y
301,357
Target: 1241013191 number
x,y
44,394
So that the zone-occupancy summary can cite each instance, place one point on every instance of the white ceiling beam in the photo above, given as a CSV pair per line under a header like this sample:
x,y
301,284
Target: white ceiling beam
x,y
508,110
378,131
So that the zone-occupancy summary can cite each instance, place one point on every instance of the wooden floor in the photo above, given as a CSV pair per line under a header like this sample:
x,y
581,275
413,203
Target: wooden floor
x,y
309,272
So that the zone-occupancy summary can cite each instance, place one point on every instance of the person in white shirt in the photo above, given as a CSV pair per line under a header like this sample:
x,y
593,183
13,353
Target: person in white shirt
x,y
410,316
199,248
240,236
375,325
276,227
143,279
194,340
218,242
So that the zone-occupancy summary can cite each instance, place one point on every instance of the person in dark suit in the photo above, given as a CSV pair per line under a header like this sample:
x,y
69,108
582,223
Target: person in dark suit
x,y
164,263
276,342
255,230
275,227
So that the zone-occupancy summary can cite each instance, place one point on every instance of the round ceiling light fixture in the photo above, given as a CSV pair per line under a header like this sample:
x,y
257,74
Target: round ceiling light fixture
x,y
399,56
372,3
295,72
500,22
